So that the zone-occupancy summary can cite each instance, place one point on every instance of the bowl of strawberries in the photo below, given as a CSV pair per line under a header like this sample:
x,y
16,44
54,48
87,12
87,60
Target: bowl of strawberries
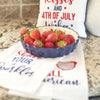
x,y
49,41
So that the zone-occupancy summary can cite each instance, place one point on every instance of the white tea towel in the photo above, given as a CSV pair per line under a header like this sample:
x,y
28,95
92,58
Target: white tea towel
x,y
23,72
68,80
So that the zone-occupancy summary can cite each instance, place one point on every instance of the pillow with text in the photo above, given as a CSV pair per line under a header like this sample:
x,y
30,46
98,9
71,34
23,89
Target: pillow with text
x,y
64,13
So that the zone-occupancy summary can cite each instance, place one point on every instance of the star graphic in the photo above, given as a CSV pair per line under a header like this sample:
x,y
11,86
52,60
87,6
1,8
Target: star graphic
x,y
71,25
48,8
55,21
65,7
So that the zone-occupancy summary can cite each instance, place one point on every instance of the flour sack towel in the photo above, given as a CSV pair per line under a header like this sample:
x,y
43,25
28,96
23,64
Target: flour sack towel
x,y
67,81
23,72
63,13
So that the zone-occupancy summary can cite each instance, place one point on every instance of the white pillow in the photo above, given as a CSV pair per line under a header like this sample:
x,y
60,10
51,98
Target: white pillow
x,y
93,17
52,11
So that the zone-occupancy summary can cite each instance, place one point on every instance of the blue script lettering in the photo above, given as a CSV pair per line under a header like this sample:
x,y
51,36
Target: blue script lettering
x,y
54,81
11,69
21,70
4,68
22,60
59,24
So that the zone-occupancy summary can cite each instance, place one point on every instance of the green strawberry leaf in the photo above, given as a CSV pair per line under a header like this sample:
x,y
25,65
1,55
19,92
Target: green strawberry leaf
x,y
22,37
52,30
55,31
61,43
58,33
40,43
63,32
33,27
28,33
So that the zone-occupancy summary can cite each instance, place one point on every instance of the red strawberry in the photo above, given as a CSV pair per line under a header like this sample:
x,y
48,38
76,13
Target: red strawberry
x,y
61,35
61,44
42,39
24,31
49,45
66,39
38,43
28,40
35,34
51,37
45,34
71,38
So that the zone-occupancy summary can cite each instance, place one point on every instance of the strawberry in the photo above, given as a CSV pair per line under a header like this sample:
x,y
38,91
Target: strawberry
x,y
42,39
61,44
71,38
45,34
49,45
61,35
51,37
35,34
38,43
28,40
66,39
23,32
